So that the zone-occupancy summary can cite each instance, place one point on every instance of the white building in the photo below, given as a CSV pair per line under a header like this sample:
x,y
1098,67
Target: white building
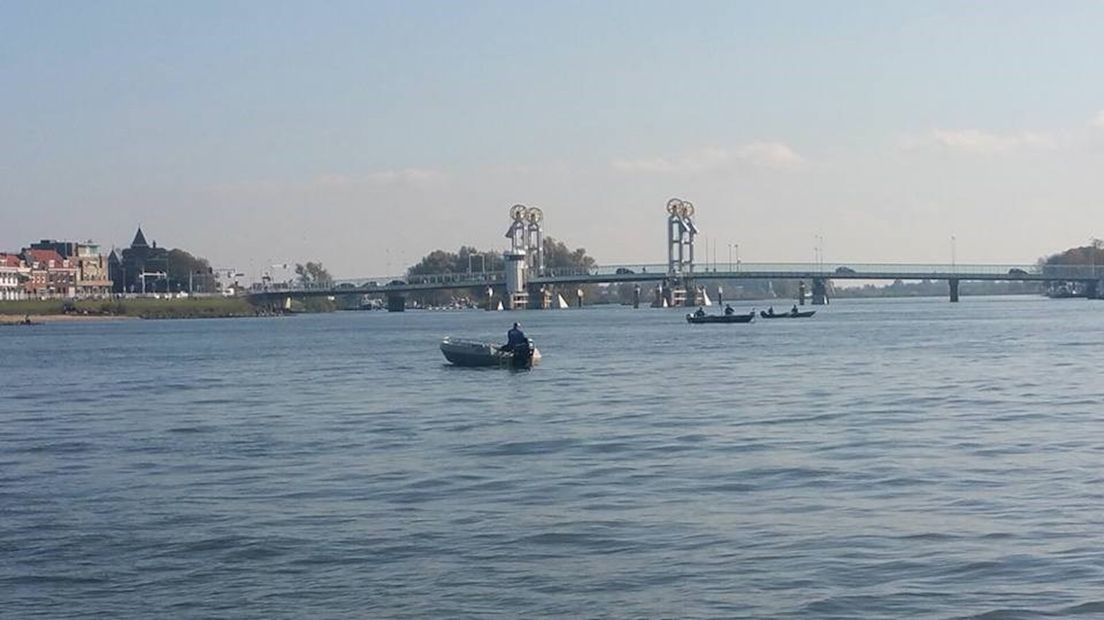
x,y
11,281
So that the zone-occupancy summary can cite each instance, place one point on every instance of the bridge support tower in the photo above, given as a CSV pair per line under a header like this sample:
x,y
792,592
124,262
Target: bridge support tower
x,y
396,302
1092,289
820,292
953,284
678,287
636,296
517,296
540,297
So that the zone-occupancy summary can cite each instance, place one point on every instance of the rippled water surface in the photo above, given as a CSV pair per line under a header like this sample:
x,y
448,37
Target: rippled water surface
x,y
907,458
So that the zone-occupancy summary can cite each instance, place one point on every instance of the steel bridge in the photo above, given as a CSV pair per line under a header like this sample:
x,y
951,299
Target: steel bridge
x,y
527,282
644,273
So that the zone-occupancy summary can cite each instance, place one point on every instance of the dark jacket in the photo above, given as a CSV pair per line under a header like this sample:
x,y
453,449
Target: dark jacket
x,y
514,337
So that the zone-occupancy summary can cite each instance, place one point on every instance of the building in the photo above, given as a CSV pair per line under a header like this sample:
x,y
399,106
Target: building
x,y
92,277
51,275
141,268
13,276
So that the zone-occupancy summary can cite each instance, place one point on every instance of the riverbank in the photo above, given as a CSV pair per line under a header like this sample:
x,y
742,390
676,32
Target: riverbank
x,y
144,308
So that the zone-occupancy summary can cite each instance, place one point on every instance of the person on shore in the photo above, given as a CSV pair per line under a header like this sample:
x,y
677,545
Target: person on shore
x,y
514,337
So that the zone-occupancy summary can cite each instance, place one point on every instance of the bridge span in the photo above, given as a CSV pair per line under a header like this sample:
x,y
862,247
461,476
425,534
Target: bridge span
x,y
397,287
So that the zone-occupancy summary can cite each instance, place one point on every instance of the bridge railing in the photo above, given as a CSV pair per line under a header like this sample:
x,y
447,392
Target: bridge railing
x,y
843,270
838,270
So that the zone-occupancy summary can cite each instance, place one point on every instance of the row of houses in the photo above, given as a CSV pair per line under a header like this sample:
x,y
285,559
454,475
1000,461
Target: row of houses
x,y
50,269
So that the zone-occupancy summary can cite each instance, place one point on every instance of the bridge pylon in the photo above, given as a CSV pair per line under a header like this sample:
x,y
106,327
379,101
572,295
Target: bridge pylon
x,y
678,287
525,257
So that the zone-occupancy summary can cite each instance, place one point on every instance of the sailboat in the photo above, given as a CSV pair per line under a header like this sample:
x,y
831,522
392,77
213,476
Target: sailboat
x,y
705,299
500,307
561,302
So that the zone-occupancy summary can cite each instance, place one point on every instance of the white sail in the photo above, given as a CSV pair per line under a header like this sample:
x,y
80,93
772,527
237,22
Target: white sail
x,y
499,306
705,299
561,302
665,303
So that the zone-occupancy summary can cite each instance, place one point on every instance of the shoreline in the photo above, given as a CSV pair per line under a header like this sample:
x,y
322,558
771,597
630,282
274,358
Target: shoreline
x,y
18,319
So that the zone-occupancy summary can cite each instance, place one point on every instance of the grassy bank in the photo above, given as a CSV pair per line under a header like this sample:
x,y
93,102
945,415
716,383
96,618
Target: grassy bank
x,y
146,308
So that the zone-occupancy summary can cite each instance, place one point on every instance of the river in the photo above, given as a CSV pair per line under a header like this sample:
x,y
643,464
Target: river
x,y
884,459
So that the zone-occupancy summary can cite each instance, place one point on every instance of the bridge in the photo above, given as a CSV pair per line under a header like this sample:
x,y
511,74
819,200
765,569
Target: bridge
x,y
656,273
526,282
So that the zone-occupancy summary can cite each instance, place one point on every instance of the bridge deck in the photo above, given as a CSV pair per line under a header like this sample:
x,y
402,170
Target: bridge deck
x,y
654,273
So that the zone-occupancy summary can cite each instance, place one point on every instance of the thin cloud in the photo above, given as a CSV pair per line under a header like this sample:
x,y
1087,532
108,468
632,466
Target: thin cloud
x,y
402,177
708,159
978,141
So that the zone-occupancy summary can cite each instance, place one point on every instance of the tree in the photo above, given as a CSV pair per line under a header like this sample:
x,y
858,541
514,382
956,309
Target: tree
x,y
558,256
189,273
440,261
313,275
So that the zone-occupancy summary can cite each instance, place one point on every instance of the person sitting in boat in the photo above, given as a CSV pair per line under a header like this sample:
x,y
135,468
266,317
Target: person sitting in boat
x,y
514,337
794,309
728,310
700,311
770,311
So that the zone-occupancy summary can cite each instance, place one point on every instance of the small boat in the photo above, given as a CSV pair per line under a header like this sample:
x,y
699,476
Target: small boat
x,y
787,315
721,318
473,353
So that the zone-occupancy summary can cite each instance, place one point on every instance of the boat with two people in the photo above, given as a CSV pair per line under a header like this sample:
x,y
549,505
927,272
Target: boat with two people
x,y
794,313
729,316
519,352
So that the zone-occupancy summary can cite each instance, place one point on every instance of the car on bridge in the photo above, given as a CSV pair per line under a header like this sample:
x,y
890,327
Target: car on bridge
x,y
845,271
1017,272
621,271
396,283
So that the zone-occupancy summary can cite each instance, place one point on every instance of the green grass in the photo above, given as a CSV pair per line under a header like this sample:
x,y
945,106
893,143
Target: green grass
x,y
146,308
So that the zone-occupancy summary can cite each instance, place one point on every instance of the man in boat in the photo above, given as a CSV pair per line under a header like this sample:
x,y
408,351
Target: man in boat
x,y
770,311
700,311
794,309
728,310
514,337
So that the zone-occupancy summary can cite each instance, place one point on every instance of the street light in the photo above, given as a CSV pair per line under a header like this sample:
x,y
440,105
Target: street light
x,y
482,262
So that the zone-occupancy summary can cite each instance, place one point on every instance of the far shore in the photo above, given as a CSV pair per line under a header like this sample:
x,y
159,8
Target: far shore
x,y
19,319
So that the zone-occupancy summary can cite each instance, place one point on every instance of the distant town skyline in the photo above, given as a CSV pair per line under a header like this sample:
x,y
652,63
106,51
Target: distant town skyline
x,y
366,134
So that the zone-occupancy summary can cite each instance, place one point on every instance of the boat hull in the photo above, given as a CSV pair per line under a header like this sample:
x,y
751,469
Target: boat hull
x,y
788,315
722,318
474,354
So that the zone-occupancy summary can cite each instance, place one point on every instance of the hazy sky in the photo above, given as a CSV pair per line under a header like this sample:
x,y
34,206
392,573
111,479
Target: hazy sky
x,y
364,134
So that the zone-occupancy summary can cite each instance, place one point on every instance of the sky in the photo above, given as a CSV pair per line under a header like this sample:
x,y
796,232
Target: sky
x,y
366,134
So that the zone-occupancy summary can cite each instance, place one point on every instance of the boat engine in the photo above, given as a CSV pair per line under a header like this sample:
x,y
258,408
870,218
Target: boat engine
x,y
523,354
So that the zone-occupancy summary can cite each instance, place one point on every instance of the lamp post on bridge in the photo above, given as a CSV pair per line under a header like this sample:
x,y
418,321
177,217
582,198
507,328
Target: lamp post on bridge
x,y
482,263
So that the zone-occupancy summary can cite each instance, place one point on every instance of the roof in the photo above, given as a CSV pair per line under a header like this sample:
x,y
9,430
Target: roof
x,y
43,256
139,240
10,260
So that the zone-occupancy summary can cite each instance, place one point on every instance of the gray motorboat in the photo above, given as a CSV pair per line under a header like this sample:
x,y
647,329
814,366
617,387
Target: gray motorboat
x,y
472,353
